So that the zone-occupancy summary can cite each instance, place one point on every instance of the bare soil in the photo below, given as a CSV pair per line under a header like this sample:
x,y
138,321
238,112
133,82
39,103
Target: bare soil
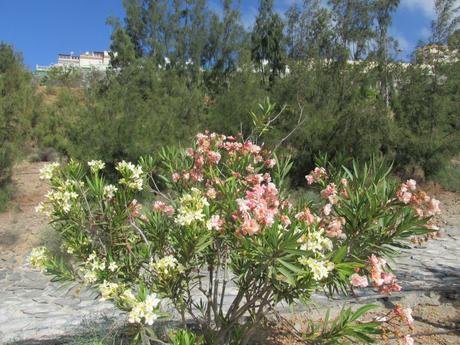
x,y
20,225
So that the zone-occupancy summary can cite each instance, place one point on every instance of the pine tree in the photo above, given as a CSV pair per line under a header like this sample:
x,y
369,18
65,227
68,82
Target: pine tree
x,y
267,41
446,22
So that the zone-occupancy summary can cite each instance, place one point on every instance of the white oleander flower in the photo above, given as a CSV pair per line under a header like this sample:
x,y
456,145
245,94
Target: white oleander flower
x,y
43,209
96,165
38,257
109,191
319,269
108,290
316,242
89,276
47,172
132,175
128,296
167,266
113,266
191,208
145,311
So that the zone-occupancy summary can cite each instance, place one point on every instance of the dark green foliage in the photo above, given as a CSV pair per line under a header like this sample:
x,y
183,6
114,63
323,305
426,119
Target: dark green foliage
x,y
345,328
135,112
179,68
17,103
266,41
427,118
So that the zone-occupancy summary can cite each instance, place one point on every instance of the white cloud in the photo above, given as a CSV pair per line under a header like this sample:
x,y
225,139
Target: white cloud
x,y
427,6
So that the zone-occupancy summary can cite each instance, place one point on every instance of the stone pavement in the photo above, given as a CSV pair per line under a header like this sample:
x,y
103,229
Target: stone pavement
x,y
34,309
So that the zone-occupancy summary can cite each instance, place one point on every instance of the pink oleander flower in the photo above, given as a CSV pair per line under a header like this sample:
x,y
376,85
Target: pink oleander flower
x,y
403,194
255,179
270,163
329,191
433,206
190,152
216,223
211,193
175,177
285,220
307,216
161,207
261,202
214,157
404,314
135,208
406,197
250,169
408,340
250,227
388,278
411,184
334,228
316,175
384,281
196,175
359,281
327,209
408,316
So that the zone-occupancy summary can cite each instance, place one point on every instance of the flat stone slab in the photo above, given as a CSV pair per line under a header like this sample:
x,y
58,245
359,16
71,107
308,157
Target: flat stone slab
x,y
34,310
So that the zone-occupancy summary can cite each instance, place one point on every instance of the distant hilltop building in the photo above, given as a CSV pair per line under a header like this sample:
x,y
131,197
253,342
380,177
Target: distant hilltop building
x,y
436,53
87,61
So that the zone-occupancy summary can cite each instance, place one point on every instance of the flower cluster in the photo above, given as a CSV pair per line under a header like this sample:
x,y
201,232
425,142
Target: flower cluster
x,y
160,206
166,267
384,281
39,257
259,207
216,222
316,242
424,205
108,290
93,265
319,268
317,175
132,175
96,166
109,191
405,314
61,199
191,208
142,311
47,172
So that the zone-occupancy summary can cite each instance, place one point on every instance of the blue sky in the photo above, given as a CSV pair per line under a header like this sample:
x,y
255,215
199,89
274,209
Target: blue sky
x,y
40,29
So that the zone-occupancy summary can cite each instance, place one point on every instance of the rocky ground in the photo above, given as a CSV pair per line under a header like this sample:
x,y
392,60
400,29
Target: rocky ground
x,y
34,309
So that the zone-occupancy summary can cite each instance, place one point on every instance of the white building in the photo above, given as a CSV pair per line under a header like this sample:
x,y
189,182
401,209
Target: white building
x,y
89,60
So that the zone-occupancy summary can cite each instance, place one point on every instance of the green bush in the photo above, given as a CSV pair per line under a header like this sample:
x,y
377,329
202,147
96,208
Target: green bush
x,y
222,219
17,102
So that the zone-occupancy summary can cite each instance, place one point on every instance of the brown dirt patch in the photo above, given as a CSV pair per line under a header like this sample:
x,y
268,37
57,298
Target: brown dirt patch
x,y
20,225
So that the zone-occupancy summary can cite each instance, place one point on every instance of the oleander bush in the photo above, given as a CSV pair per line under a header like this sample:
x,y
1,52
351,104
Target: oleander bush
x,y
223,221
